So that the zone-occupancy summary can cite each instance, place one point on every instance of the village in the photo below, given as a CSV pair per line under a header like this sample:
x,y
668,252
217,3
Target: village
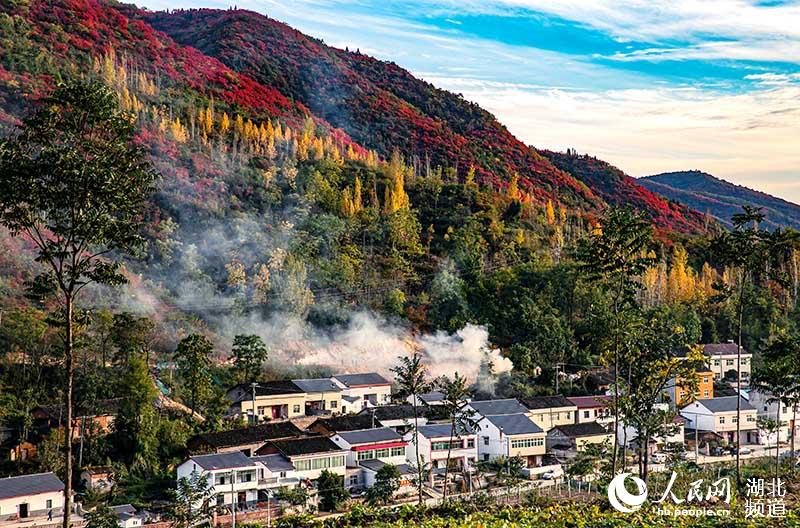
x,y
354,426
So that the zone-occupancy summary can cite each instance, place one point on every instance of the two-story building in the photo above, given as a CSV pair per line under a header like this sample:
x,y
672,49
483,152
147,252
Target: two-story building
x,y
367,447
233,477
436,441
592,409
718,416
681,392
363,390
550,411
309,455
323,396
511,435
722,358
267,400
30,497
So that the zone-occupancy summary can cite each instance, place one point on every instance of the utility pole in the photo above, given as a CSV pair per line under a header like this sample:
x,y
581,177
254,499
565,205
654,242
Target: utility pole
x,y
233,498
558,367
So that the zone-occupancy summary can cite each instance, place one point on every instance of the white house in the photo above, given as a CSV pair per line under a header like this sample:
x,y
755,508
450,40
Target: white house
x,y
511,435
718,416
382,444
127,516
766,407
233,475
721,358
674,431
363,390
31,496
433,442
370,468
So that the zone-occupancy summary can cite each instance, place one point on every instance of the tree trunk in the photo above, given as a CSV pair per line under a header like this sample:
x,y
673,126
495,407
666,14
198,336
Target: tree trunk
x,y
794,425
646,463
778,442
69,367
616,396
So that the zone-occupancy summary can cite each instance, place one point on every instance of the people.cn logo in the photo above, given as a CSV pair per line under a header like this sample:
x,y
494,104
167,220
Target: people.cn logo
x,y
621,499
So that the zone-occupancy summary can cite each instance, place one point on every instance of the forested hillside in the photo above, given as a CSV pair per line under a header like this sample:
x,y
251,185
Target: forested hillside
x,y
721,199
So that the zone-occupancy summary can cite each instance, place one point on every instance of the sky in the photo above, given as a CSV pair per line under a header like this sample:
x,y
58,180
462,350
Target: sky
x,y
648,85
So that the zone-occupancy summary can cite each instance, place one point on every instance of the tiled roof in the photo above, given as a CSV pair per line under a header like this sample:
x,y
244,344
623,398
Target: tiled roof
x,y
346,422
405,411
725,404
546,402
368,378
590,402
493,407
582,429
367,436
440,430
235,459
317,385
275,463
374,464
303,446
247,435
29,485
514,424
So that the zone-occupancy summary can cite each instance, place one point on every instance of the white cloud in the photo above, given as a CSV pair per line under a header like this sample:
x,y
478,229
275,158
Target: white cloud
x,y
749,138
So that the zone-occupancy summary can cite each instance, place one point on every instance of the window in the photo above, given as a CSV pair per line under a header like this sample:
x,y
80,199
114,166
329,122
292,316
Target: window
x,y
296,408
398,451
486,440
705,379
470,443
261,411
734,420
443,446
729,362
334,404
221,499
486,456
568,413
751,418
716,362
354,480
386,397
744,361
49,504
319,463
722,419
527,442
705,394
586,414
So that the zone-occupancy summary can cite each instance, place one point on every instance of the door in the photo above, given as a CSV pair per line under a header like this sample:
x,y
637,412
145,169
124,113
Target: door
x,y
23,510
241,500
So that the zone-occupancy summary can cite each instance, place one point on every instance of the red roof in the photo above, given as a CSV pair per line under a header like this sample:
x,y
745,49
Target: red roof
x,y
590,402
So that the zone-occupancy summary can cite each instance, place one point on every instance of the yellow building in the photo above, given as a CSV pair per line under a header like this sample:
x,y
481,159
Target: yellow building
x,y
271,400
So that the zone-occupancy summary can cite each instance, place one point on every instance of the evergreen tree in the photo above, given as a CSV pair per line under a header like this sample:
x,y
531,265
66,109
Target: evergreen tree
x,y
193,358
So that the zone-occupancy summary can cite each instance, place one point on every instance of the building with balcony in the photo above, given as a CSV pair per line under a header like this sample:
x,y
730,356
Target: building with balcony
x,y
435,440
267,400
309,455
323,396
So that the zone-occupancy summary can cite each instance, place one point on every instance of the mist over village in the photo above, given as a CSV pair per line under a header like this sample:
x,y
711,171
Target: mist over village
x,y
329,264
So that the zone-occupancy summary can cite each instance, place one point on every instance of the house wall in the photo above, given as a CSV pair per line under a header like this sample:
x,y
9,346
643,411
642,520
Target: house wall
x,y
37,505
327,401
600,415
722,363
336,463
549,418
295,405
368,395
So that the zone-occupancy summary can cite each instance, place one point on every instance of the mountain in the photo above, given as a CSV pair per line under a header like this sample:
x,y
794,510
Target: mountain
x,y
619,189
721,199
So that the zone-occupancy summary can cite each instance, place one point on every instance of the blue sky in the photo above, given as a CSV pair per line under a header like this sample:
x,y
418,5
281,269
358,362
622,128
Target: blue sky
x,y
649,85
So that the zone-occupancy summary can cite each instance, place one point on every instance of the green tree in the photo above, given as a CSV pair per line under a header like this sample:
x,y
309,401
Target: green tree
x,y
73,183
331,491
101,517
749,251
411,378
614,256
462,421
387,482
136,423
193,358
249,354
191,503
132,337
